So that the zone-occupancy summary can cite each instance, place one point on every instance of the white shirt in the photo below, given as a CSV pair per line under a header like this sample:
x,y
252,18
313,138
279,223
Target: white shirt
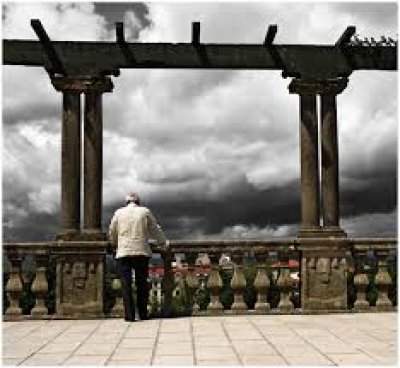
x,y
131,228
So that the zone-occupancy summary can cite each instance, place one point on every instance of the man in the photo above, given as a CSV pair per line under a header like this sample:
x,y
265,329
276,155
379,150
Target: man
x,y
130,230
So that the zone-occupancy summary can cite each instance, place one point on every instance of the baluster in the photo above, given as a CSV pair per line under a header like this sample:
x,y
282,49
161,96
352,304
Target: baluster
x,y
202,289
261,284
214,284
167,283
238,283
361,282
153,295
285,283
40,285
383,281
159,294
118,309
14,284
193,283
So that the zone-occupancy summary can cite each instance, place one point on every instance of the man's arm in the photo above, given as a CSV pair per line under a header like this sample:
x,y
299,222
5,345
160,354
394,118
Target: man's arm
x,y
113,232
155,230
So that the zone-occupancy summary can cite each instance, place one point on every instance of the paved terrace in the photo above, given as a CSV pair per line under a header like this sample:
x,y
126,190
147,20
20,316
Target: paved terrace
x,y
340,339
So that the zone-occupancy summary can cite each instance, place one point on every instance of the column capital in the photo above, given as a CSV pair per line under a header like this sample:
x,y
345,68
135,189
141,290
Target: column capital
x,y
321,87
82,84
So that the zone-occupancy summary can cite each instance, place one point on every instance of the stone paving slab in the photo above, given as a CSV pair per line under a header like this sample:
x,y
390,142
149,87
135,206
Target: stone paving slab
x,y
336,339
132,354
94,360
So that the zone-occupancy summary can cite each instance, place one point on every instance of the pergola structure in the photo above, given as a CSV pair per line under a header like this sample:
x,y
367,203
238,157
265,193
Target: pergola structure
x,y
77,68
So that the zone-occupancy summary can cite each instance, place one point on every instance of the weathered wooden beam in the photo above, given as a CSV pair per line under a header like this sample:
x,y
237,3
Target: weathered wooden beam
x,y
48,47
346,36
119,28
271,33
268,42
308,61
196,33
121,42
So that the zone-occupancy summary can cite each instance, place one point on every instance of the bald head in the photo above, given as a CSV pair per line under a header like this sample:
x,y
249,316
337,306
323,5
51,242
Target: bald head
x,y
132,197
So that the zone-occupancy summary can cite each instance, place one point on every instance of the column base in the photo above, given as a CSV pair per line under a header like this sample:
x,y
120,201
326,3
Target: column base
x,y
80,280
68,235
333,232
85,235
310,232
324,275
93,235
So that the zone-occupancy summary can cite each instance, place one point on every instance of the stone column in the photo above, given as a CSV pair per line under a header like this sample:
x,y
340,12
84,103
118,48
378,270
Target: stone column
x,y
72,87
70,157
308,156
329,155
93,156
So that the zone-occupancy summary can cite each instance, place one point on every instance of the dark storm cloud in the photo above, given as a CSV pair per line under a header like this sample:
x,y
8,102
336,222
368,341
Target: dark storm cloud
x,y
36,227
115,12
245,205
372,225
379,194
273,207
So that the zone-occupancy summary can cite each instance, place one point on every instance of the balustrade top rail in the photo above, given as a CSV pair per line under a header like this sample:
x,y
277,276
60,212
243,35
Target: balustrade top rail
x,y
213,245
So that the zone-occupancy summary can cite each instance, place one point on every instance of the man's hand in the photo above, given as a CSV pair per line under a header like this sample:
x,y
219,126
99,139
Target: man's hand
x,y
166,247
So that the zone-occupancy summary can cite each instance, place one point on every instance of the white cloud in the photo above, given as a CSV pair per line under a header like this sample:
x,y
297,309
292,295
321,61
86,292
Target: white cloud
x,y
256,232
132,25
62,21
31,168
384,224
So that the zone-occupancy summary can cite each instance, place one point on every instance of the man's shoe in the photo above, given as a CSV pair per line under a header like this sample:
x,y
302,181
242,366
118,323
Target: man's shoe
x,y
144,317
129,319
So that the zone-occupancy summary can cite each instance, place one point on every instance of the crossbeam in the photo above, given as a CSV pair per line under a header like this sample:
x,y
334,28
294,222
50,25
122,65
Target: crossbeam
x,y
346,36
306,61
54,60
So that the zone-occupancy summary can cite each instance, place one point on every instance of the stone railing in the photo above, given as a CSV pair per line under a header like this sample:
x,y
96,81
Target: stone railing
x,y
67,279
374,270
70,279
228,279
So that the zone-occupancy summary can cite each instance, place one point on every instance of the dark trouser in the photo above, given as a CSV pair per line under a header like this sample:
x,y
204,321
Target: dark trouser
x,y
141,266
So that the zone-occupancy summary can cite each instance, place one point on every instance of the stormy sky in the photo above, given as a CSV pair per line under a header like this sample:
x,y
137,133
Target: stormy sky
x,y
212,153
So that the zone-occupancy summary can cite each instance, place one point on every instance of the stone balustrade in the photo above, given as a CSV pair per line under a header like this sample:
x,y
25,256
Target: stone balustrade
x,y
374,274
245,268
70,278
